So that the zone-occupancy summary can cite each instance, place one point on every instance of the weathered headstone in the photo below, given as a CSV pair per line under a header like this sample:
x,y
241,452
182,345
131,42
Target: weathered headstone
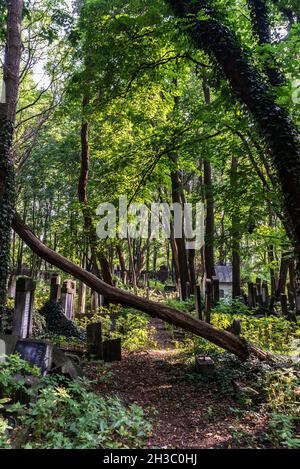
x,y
216,290
204,365
7,345
198,304
55,288
163,274
22,319
36,352
251,296
12,283
208,299
94,339
265,294
111,350
67,298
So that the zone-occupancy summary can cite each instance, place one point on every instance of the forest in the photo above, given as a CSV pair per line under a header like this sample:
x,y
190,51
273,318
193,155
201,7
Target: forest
x,y
149,224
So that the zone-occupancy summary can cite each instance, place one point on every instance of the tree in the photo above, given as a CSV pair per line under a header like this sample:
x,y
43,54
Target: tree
x,y
11,70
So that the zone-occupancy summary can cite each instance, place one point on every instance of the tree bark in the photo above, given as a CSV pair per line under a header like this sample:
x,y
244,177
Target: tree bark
x,y
12,57
236,236
273,122
180,242
11,70
219,337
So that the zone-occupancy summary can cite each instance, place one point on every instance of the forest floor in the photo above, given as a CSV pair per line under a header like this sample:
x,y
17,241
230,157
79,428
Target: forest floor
x,y
185,412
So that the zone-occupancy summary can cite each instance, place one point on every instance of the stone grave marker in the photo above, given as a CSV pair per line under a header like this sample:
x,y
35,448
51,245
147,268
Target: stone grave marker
x,y
198,304
94,339
67,298
111,350
36,352
216,290
55,288
208,299
265,294
22,320
7,345
204,365
12,283
163,274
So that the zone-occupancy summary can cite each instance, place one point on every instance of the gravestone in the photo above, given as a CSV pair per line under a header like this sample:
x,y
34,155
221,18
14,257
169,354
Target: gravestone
x,y
111,350
198,304
94,339
265,294
7,345
216,290
251,296
67,298
208,299
163,274
12,283
22,319
36,352
204,365
55,288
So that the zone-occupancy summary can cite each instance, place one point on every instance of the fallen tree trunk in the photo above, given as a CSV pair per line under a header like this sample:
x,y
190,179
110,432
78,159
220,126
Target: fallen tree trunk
x,y
218,337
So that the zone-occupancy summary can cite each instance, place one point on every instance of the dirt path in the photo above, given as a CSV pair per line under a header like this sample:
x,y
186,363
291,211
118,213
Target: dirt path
x,y
185,413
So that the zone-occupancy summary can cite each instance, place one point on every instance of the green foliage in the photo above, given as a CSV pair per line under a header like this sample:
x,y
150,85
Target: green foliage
x,y
57,323
65,414
73,417
13,373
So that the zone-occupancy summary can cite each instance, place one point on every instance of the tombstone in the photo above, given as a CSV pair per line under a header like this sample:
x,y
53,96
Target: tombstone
x,y
204,365
255,295
198,304
7,345
111,350
94,339
187,290
67,298
235,328
22,319
251,296
265,294
216,290
55,288
36,352
258,286
284,306
163,274
170,288
208,299
12,283
65,364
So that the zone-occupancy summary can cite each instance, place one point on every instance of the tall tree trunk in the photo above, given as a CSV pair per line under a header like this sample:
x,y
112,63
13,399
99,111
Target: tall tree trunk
x,y
209,256
180,242
272,120
11,70
219,337
236,236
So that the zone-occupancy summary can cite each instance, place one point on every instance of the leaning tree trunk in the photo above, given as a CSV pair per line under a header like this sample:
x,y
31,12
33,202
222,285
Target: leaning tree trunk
x,y
11,70
218,337
272,120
